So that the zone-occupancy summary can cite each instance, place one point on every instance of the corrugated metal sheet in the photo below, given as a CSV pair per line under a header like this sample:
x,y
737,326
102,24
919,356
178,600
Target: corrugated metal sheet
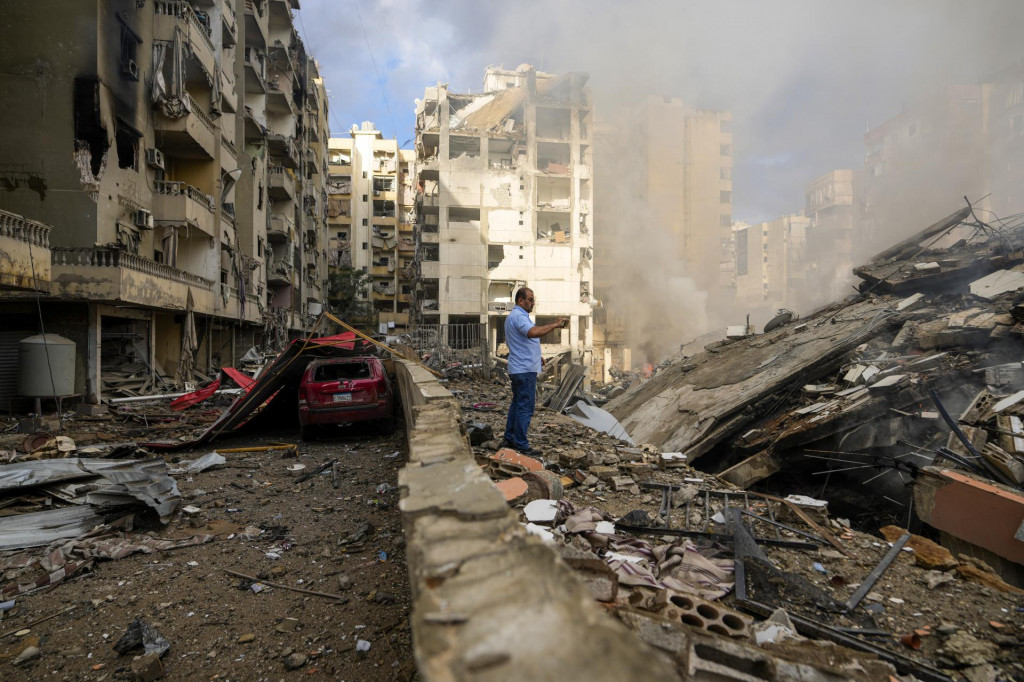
x,y
9,364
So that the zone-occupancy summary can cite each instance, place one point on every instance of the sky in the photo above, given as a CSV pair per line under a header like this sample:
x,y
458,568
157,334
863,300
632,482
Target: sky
x,y
802,78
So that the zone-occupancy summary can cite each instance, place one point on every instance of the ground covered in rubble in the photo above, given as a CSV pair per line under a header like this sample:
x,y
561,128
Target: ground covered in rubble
x,y
948,613
342,545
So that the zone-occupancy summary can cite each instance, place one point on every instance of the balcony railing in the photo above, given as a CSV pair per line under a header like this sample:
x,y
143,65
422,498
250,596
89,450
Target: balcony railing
x,y
116,258
184,11
24,230
176,189
194,108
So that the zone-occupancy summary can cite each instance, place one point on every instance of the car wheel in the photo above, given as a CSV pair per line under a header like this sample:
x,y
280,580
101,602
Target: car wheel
x,y
307,432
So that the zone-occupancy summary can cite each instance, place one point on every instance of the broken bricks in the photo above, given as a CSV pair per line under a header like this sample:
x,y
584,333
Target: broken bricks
x,y
508,462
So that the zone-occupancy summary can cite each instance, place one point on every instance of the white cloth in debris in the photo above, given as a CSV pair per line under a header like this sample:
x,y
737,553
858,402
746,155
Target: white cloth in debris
x,y
678,567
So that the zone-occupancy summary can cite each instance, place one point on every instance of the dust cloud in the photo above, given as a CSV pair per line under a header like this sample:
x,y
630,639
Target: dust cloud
x,y
804,80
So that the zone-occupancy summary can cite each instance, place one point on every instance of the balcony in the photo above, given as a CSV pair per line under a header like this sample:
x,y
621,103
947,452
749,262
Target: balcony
x,y
228,91
256,19
105,274
282,147
280,273
192,135
279,93
255,74
229,25
281,229
172,15
180,204
24,254
282,184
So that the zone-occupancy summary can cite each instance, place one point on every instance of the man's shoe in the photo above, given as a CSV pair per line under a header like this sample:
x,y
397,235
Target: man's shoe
x,y
530,452
505,444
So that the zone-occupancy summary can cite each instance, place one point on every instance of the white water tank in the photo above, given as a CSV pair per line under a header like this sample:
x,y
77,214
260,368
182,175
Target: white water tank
x,y
40,355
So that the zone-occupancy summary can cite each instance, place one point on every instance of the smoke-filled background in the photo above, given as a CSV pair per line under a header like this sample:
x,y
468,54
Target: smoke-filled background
x,y
804,80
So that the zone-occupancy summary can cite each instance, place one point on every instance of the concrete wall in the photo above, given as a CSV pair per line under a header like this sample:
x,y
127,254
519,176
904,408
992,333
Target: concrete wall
x,y
489,602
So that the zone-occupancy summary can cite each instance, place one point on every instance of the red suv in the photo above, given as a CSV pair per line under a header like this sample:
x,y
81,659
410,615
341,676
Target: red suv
x,y
345,390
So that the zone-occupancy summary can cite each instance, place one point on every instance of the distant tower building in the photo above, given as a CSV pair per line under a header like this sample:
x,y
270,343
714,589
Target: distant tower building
x,y
370,218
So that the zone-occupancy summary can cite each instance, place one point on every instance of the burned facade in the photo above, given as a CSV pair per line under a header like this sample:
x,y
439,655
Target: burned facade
x,y
370,219
504,196
177,150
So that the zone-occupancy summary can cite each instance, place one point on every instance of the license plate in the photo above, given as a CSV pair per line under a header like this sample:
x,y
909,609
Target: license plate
x,y
342,397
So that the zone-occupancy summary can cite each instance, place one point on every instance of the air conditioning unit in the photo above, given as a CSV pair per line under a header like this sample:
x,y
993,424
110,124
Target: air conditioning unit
x,y
143,219
131,69
155,158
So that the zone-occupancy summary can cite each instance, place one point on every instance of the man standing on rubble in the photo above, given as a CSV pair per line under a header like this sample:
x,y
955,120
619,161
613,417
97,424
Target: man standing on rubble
x,y
524,363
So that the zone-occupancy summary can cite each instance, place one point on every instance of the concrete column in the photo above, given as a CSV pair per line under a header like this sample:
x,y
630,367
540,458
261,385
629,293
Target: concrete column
x,y
627,360
607,376
92,356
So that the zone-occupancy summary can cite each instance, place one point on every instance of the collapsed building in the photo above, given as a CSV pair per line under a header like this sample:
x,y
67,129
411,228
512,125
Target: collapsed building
x,y
167,164
898,396
504,200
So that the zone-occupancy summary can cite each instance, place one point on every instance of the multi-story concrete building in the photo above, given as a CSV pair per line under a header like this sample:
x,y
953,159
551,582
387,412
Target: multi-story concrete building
x,y
832,204
771,264
176,149
663,211
919,164
504,200
687,180
370,218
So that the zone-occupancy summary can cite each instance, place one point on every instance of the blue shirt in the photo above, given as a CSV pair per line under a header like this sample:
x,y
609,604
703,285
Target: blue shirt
x,y
523,352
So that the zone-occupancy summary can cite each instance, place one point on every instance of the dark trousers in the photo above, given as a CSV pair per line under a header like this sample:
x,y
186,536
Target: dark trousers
x,y
524,391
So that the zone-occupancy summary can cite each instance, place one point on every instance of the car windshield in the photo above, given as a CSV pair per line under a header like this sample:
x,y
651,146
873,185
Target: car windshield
x,y
343,370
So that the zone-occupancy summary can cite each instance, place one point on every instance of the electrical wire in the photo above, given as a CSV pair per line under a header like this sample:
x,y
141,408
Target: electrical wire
x,y
380,81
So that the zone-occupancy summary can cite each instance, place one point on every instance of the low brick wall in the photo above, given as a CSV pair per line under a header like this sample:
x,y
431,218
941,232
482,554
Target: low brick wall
x,y
490,602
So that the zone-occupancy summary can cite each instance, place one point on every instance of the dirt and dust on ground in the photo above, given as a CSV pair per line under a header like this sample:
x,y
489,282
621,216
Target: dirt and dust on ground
x,y
293,575
950,614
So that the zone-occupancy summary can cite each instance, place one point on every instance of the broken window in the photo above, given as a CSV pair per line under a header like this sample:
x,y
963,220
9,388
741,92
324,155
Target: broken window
x,y
383,183
553,157
127,140
459,145
338,206
726,150
129,61
495,254
500,153
340,184
383,208
553,227
554,193
725,220
725,196
88,124
553,123
463,214
431,252
725,126
339,158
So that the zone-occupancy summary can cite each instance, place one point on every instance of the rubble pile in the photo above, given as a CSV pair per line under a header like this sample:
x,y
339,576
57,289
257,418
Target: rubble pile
x,y
655,540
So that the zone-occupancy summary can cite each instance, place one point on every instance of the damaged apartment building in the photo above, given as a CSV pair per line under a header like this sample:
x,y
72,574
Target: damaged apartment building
x,y
504,196
370,218
163,174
